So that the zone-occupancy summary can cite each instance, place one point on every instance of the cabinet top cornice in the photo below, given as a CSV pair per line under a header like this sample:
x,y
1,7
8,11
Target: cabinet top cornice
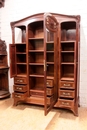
x,y
41,16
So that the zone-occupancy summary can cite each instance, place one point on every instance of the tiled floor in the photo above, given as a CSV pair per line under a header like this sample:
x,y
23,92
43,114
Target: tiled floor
x,y
27,117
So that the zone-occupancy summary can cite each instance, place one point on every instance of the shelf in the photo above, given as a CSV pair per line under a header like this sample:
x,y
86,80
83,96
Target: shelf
x,y
50,42
38,38
36,75
67,51
20,53
70,41
22,75
36,63
67,78
4,67
49,77
49,51
21,63
3,54
50,63
36,50
67,63
21,43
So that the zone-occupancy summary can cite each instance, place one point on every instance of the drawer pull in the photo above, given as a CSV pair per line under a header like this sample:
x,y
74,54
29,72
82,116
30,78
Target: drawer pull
x,y
66,85
20,80
47,83
68,94
65,103
19,88
17,96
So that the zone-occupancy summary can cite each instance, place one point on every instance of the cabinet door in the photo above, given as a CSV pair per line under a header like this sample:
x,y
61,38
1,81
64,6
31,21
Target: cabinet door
x,y
50,62
12,60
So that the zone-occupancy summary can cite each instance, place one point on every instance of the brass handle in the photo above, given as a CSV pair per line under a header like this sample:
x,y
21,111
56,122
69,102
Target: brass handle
x,y
65,85
18,88
20,80
65,103
67,94
17,96
47,83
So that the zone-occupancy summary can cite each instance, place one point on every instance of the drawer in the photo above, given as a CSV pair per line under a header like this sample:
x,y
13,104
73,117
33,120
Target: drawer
x,y
20,88
20,80
20,96
67,93
67,85
49,100
65,103
50,91
49,83
37,93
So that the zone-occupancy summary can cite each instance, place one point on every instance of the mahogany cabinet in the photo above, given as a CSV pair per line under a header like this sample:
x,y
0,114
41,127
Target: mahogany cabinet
x,y
45,61
4,83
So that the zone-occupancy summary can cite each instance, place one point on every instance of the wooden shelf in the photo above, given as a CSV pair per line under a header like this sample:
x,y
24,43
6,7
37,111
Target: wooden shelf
x,y
36,50
68,41
36,75
38,38
67,63
67,79
36,63
67,51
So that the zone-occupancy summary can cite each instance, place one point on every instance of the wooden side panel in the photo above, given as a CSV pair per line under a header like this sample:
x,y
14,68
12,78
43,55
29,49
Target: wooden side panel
x,y
12,60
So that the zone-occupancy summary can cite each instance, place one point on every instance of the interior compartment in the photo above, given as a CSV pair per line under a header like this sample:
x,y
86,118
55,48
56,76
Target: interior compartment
x,y
36,44
37,57
35,29
21,69
68,31
36,69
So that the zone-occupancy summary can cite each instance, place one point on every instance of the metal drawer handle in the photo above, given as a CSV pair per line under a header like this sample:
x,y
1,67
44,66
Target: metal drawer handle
x,y
66,93
18,88
20,80
65,85
17,96
47,83
65,103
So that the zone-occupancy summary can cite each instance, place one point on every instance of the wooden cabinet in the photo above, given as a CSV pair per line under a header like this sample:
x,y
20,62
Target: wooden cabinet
x,y
4,87
45,61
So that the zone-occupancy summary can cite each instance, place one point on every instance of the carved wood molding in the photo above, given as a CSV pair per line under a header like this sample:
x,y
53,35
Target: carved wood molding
x,y
3,47
2,3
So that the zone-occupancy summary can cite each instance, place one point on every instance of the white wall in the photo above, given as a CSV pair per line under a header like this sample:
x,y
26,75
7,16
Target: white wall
x,y
17,9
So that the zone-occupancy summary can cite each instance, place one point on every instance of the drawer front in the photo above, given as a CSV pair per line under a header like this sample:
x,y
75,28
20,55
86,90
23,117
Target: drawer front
x,y
49,91
20,96
67,93
20,88
67,85
20,80
65,103
49,100
49,83
37,93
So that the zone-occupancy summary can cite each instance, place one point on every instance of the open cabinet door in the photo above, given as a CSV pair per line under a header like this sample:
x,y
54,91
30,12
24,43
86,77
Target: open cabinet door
x,y
50,61
12,60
